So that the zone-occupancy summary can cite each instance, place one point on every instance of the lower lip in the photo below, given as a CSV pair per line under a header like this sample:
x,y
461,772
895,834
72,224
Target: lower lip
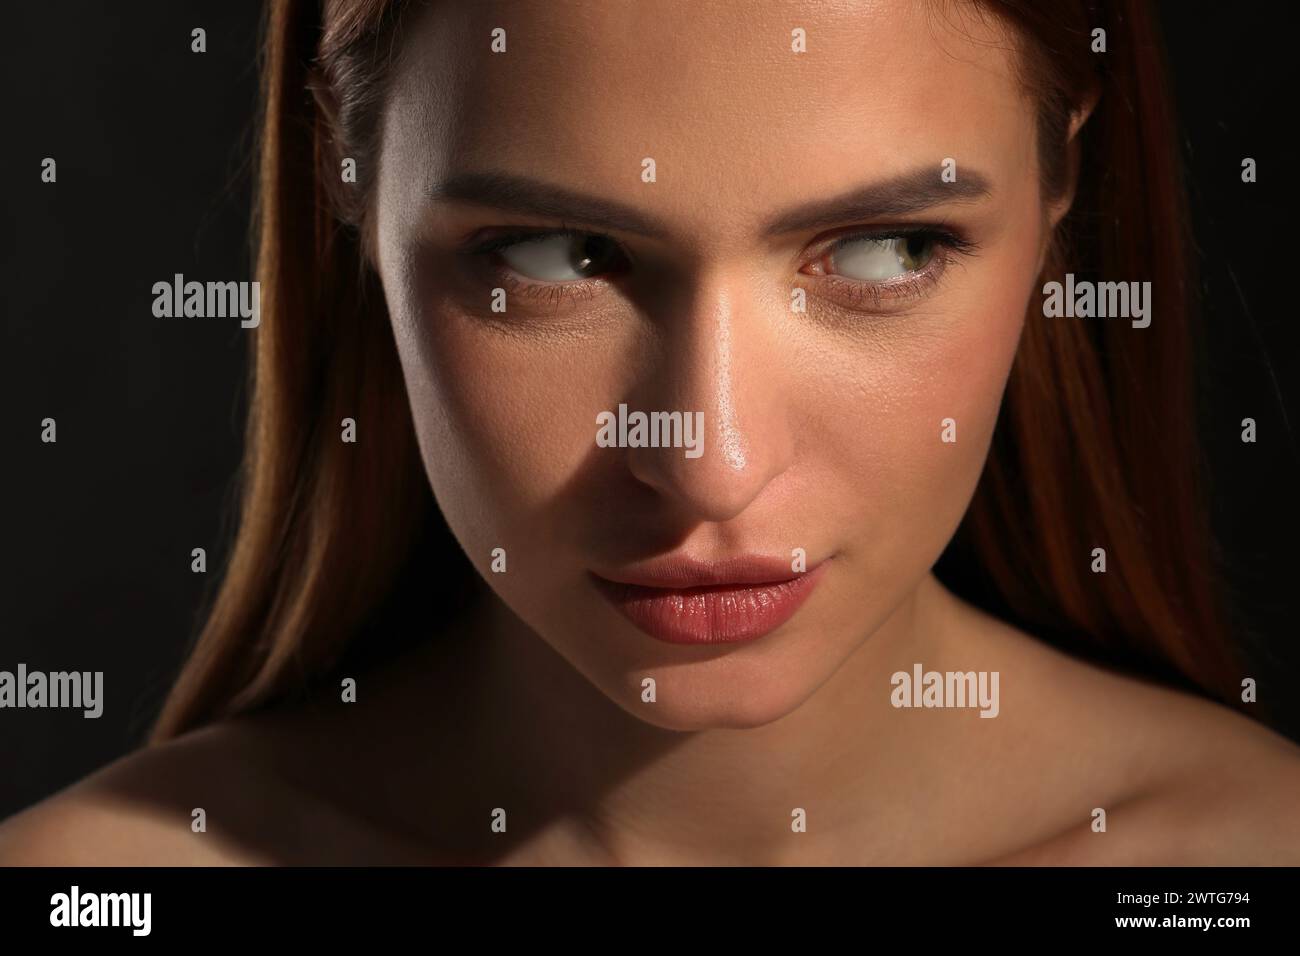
x,y
722,614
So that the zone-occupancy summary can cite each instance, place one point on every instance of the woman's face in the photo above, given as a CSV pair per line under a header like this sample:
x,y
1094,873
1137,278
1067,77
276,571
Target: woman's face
x,y
830,255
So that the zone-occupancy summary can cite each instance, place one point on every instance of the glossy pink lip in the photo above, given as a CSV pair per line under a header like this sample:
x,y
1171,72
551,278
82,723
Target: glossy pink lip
x,y
682,601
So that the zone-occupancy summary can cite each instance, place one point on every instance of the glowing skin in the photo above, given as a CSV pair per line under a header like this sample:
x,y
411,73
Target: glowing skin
x,y
822,432
822,428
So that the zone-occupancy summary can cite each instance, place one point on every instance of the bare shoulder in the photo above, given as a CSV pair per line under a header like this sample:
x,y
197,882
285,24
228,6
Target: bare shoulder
x,y
1150,775
137,810
295,784
212,797
1245,816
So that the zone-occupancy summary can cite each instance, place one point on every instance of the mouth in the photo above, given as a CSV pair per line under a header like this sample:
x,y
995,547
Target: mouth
x,y
727,602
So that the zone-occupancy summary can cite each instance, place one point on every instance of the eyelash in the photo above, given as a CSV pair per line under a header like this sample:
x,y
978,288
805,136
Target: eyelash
x,y
547,293
860,293
874,294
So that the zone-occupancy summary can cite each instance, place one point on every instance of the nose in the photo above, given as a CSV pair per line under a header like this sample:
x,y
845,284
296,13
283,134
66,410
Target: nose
x,y
721,363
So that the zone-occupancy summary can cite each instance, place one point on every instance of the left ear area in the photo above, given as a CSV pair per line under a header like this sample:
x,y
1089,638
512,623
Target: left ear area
x,y
1078,117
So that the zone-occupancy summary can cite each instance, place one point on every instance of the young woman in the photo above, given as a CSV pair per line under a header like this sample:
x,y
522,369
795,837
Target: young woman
x,y
808,243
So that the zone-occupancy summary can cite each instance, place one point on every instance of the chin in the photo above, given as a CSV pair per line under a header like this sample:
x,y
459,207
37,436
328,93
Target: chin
x,y
719,694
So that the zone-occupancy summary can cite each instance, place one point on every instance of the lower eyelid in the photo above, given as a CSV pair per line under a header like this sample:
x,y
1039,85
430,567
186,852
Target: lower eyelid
x,y
551,293
899,290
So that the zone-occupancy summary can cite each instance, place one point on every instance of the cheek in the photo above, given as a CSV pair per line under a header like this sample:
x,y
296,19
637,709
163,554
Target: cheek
x,y
506,423
518,413
914,428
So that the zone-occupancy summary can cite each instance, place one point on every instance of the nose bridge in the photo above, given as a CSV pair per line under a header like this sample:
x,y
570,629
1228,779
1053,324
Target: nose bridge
x,y
717,360
717,331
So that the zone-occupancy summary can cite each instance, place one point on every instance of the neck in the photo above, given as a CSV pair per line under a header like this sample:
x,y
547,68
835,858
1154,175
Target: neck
x,y
615,788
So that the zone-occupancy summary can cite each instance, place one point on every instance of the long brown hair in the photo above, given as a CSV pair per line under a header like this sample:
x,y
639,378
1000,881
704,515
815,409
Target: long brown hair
x,y
1095,446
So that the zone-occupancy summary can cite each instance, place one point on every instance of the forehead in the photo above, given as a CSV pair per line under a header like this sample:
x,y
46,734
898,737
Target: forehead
x,y
735,120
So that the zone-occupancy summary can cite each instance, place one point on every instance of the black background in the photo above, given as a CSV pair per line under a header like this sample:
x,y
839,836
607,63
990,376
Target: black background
x,y
153,150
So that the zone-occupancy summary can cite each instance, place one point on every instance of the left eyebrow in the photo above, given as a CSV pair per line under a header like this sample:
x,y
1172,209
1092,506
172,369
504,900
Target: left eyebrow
x,y
915,190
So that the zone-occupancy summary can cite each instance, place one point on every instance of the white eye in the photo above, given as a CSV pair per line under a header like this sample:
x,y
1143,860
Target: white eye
x,y
871,259
558,257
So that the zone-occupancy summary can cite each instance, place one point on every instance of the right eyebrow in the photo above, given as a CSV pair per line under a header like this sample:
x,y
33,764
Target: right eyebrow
x,y
523,194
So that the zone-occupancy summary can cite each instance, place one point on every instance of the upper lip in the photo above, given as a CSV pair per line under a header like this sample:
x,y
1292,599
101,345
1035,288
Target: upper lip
x,y
683,572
